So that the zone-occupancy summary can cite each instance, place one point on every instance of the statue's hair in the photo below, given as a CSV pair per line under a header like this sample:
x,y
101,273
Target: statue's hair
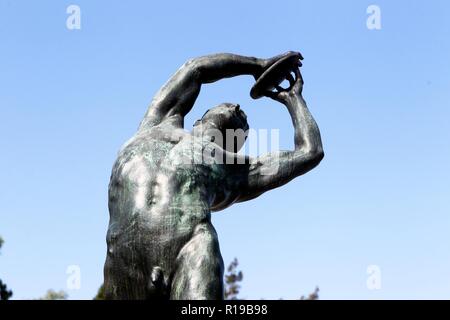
x,y
222,123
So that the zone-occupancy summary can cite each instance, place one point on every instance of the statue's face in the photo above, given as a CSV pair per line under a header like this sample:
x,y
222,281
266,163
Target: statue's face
x,y
231,121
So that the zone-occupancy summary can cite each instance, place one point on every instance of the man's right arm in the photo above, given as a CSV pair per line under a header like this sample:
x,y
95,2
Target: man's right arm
x,y
177,97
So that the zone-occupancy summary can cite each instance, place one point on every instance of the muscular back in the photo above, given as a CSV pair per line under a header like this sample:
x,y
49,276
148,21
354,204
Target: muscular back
x,y
158,195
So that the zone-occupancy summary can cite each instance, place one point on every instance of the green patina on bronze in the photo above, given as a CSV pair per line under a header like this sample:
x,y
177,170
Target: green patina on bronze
x,y
166,181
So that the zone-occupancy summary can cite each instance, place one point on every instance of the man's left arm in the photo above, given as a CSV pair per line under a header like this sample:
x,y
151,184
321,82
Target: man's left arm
x,y
276,169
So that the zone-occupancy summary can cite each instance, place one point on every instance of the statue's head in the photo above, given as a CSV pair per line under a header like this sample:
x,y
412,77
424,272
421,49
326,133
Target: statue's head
x,y
230,121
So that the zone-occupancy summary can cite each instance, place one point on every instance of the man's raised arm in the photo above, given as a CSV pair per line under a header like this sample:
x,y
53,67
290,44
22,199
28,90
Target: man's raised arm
x,y
275,169
178,95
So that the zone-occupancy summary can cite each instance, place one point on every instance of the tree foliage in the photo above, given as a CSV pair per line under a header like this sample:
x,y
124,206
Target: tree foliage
x,y
312,296
5,294
55,295
232,279
100,293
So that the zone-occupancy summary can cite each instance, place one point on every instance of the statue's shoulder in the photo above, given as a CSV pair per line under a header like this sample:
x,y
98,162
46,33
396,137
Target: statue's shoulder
x,y
151,138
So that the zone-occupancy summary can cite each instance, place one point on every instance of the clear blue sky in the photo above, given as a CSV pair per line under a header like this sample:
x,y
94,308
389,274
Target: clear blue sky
x,y
69,99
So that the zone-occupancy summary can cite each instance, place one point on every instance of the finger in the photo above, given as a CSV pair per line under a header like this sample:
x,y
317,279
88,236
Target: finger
x,y
277,96
297,54
271,94
298,75
290,79
298,81
279,88
282,96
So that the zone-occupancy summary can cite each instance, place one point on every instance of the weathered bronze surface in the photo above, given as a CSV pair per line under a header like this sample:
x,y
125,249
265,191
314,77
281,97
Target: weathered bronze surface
x,y
161,243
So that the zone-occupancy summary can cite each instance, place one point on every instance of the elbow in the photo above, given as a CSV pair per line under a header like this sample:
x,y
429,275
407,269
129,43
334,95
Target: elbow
x,y
190,65
193,66
191,62
320,155
197,62
315,156
308,159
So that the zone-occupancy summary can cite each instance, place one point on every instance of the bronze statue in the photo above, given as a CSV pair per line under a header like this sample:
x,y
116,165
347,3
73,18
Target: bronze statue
x,y
161,243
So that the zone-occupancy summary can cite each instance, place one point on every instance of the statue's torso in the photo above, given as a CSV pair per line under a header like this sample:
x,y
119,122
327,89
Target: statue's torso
x,y
160,190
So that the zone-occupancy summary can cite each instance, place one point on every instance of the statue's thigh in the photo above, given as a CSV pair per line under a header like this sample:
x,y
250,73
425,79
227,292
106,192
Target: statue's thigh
x,y
123,282
199,270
